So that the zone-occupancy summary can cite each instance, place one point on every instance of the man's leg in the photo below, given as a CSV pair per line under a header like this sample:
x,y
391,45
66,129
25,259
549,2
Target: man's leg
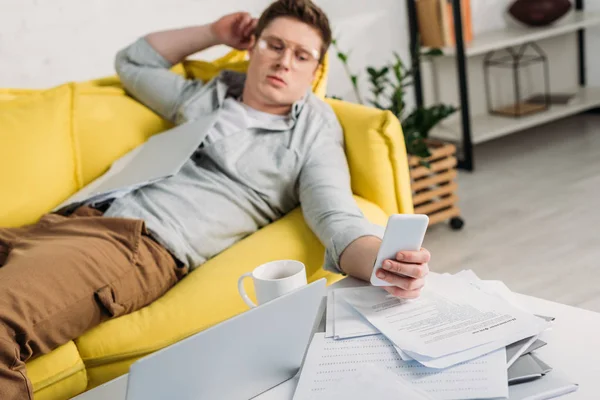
x,y
63,276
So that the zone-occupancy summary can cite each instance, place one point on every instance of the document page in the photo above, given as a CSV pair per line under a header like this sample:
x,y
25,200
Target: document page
x,y
449,317
329,361
329,317
372,382
348,322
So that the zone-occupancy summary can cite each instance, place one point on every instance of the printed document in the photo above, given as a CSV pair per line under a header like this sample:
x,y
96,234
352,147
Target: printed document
x,y
372,382
329,361
346,322
449,317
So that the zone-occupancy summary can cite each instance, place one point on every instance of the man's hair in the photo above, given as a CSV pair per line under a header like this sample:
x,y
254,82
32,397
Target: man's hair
x,y
302,10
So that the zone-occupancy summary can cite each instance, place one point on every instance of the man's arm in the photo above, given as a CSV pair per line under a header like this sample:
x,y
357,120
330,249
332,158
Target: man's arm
x,y
327,203
358,258
177,44
234,30
351,241
405,274
143,67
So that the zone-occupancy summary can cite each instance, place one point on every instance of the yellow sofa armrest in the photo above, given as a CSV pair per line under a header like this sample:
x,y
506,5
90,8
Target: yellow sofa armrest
x,y
376,156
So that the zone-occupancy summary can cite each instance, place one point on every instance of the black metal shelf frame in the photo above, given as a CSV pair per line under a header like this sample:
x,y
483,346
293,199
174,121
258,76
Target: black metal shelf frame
x,y
466,158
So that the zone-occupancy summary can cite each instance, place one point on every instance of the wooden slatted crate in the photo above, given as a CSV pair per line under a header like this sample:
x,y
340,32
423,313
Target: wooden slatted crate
x,y
434,188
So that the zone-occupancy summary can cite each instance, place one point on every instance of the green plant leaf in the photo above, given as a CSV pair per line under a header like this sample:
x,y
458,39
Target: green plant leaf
x,y
425,163
388,85
418,147
398,59
422,120
432,53
376,104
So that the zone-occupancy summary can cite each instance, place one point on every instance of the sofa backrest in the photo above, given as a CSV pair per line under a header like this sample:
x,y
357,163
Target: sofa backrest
x,y
37,153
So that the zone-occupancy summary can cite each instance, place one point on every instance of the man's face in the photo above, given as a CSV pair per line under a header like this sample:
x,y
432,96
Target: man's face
x,y
283,62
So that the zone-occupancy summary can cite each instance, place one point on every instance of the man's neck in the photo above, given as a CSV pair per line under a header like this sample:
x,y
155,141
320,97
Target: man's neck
x,y
250,101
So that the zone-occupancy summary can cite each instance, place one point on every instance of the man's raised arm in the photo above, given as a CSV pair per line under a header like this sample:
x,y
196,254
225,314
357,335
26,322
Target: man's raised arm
x,y
143,66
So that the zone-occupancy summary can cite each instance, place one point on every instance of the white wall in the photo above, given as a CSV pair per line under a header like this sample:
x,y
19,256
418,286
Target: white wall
x,y
45,43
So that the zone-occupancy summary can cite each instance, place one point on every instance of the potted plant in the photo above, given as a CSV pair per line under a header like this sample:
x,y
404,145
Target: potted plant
x,y
432,163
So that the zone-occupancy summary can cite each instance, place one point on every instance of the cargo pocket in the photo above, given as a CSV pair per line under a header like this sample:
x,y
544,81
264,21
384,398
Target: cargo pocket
x,y
152,274
106,296
118,297
125,295
129,293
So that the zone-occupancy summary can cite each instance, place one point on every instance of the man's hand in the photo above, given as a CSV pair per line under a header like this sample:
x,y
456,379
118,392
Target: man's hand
x,y
235,30
406,273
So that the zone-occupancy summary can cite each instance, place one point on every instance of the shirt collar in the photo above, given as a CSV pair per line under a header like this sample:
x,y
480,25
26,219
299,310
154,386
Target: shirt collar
x,y
232,83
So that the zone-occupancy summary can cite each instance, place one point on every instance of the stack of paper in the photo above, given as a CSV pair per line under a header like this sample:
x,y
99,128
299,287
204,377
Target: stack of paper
x,y
453,321
463,338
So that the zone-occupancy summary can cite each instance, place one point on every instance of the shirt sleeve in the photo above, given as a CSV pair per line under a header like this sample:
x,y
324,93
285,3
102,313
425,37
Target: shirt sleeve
x,y
326,198
145,75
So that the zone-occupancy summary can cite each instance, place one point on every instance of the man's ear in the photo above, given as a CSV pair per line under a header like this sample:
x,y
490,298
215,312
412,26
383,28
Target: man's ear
x,y
251,45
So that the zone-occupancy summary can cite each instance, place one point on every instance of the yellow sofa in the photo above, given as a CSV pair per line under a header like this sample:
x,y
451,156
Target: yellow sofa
x,y
55,141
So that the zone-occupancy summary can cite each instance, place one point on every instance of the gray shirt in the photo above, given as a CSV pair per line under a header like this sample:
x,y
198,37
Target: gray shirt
x,y
251,169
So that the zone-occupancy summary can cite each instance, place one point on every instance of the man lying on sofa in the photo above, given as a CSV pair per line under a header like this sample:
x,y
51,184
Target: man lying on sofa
x,y
271,146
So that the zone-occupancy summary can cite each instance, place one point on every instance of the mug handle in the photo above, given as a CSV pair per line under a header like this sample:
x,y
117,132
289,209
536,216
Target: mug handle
x,y
243,291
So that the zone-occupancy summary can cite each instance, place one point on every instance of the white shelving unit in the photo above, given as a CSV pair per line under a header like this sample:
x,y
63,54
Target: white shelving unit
x,y
518,35
487,127
475,128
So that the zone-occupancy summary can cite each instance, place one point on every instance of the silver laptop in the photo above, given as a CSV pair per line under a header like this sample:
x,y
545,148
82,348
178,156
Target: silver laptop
x,y
239,358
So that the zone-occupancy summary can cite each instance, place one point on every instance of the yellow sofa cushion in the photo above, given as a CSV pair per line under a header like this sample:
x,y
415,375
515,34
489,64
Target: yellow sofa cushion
x,y
58,375
206,297
376,156
37,157
108,124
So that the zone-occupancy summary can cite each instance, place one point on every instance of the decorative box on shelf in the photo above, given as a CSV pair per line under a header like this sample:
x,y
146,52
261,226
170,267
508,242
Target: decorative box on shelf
x,y
517,81
434,186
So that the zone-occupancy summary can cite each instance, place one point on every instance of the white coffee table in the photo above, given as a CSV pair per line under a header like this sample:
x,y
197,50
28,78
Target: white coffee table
x,y
573,348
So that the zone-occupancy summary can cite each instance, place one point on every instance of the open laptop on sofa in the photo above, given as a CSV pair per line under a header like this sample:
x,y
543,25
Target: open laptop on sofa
x,y
237,359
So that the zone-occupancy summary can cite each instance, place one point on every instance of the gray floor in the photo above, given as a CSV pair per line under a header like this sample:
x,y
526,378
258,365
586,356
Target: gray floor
x,y
532,212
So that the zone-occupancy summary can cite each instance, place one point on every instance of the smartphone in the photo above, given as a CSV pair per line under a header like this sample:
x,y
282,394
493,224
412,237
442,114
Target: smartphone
x,y
402,232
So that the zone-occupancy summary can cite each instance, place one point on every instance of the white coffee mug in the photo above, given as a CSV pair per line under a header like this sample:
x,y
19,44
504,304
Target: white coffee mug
x,y
273,279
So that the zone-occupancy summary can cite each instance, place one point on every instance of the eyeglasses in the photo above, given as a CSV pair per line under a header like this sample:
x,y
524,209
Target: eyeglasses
x,y
275,48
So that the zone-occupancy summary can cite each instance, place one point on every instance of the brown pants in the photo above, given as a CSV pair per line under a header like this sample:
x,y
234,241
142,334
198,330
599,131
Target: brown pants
x,y
65,275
